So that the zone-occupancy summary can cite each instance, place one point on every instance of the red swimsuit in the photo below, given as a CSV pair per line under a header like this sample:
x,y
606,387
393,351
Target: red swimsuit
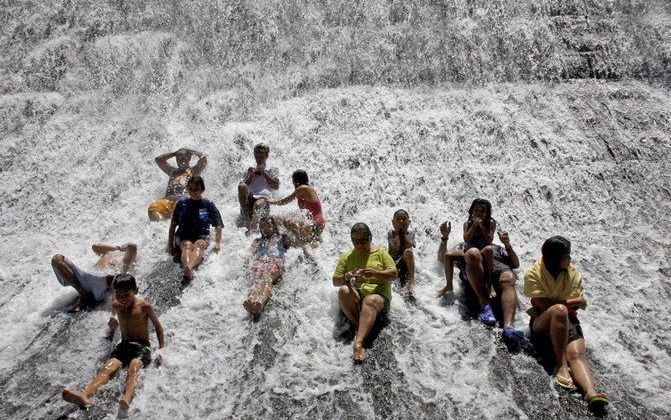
x,y
315,210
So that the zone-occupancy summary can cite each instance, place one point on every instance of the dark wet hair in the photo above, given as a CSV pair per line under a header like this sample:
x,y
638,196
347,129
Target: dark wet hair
x,y
124,282
400,211
300,177
262,147
488,215
554,250
272,221
197,181
361,227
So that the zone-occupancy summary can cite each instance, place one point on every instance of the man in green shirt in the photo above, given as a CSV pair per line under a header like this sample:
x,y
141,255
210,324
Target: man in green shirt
x,y
364,277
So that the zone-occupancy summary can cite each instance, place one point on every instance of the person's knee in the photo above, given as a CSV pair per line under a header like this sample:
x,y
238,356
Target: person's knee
x,y
507,280
187,246
473,256
408,255
344,292
243,188
135,364
559,313
574,354
487,251
374,301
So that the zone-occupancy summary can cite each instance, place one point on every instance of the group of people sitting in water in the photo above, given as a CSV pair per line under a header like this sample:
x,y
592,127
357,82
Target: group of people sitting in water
x,y
363,275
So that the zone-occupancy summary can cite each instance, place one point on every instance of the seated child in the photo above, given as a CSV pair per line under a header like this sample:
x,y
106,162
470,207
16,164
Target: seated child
x,y
133,350
267,265
400,242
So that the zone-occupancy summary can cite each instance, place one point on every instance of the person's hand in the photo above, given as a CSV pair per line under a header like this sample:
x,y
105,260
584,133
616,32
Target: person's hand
x,y
123,247
503,236
250,172
113,323
445,229
479,222
216,248
370,272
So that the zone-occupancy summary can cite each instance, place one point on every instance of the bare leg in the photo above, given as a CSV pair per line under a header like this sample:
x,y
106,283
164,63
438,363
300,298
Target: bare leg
x,y
245,205
450,258
580,371
508,298
554,321
192,255
134,369
83,399
65,272
475,273
409,258
372,305
259,295
259,209
156,216
350,304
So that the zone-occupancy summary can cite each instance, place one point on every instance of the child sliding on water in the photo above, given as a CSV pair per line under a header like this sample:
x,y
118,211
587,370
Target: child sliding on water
x,y
133,351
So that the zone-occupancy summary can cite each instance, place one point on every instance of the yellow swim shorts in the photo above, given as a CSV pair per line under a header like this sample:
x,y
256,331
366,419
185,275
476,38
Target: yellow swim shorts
x,y
163,206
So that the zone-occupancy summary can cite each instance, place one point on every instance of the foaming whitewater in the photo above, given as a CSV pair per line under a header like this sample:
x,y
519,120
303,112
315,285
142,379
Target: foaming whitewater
x,y
586,160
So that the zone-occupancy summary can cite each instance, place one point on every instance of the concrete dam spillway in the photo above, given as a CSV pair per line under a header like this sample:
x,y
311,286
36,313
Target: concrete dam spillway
x,y
558,112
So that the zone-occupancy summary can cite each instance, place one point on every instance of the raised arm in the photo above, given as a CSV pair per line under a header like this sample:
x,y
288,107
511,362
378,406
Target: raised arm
x,y
445,229
201,164
512,255
162,162
157,324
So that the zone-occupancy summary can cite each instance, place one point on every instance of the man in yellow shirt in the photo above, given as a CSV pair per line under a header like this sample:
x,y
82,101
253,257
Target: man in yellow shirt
x,y
364,277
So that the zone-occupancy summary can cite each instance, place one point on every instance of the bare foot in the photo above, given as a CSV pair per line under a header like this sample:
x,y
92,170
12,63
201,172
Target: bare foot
x,y
441,292
124,404
492,293
359,354
77,398
249,306
188,272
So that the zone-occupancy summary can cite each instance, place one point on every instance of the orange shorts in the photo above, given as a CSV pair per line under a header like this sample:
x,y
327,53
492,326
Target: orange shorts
x,y
163,206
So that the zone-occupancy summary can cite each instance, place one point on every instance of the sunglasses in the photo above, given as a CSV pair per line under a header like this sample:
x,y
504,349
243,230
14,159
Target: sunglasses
x,y
361,241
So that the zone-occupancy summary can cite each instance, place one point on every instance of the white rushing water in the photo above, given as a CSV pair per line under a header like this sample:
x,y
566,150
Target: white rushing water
x,y
539,153
370,99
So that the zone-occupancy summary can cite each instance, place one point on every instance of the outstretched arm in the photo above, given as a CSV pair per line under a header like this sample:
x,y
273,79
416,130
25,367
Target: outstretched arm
x,y
288,199
162,162
157,324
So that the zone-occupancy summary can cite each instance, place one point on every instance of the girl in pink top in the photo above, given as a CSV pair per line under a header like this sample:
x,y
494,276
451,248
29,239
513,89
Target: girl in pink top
x,y
309,227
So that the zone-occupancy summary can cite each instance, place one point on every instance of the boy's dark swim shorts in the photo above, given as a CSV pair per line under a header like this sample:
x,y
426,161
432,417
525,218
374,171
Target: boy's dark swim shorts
x,y
126,351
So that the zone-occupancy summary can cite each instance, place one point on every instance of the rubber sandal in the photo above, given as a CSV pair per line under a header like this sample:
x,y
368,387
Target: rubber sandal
x,y
597,403
563,381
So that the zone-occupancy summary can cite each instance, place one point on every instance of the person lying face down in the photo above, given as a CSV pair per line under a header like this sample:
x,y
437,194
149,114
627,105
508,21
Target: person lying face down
x,y
134,349
363,277
179,176
556,290
259,182
267,266
93,287
189,231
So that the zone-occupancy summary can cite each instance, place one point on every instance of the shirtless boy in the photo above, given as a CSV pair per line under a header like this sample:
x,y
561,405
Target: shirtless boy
x,y
179,176
93,287
134,349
